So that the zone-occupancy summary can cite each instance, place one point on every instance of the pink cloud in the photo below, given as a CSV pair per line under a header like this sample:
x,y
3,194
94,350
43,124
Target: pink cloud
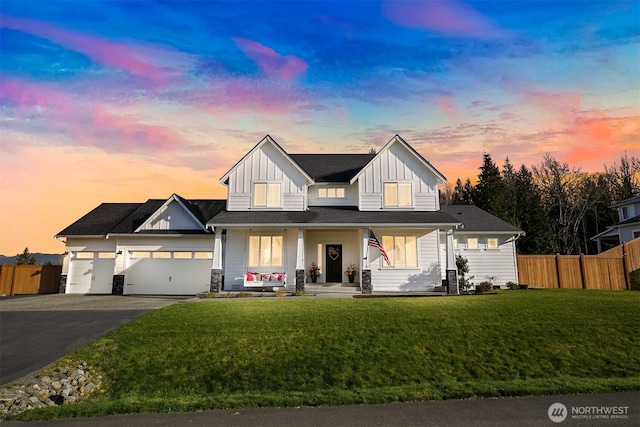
x,y
88,123
447,105
25,95
270,62
451,18
137,60
225,96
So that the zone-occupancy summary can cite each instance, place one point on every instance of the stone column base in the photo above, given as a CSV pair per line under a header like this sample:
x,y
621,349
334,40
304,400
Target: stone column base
x,y
366,285
215,285
62,288
299,280
452,282
117,286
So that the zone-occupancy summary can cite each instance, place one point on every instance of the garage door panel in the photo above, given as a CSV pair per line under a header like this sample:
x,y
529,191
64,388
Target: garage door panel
x,y
91,276
168,276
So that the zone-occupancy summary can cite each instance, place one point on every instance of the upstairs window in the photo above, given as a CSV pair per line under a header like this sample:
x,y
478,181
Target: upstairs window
x,y
492,243
397,195
625,213
331,193
265,251
472,243
267,195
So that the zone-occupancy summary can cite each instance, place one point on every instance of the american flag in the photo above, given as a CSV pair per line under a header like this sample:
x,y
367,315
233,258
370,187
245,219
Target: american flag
x,y
373,241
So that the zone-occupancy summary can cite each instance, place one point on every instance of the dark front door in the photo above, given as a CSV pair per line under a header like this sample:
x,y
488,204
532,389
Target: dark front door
x,y
334,263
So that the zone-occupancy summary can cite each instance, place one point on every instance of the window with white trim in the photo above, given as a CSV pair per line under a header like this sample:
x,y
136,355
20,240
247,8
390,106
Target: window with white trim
x,y
331,193
401,250
472,243
140,254
84,255
106,255
267,195
492,243
265,251
397,195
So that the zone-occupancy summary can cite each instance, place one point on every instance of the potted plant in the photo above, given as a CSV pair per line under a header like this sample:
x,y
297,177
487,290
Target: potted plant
x,y
314,272
351,272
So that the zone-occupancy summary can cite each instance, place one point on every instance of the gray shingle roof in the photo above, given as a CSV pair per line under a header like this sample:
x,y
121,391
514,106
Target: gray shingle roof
x,y
475,219
125,218
332,167
321,215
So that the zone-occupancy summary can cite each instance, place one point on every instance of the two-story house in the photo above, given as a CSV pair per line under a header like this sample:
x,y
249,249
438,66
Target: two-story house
x,y
627,228
284,212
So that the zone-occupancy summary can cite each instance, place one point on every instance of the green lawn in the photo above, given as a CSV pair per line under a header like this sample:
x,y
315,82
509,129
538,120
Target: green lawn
x,y
304,351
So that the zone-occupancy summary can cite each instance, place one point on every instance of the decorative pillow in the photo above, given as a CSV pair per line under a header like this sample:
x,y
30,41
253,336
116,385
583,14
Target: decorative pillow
x,y
250,277
265,277
278,276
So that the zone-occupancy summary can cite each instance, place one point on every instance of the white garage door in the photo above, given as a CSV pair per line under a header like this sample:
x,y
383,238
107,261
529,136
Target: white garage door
x,y
168,272
90,273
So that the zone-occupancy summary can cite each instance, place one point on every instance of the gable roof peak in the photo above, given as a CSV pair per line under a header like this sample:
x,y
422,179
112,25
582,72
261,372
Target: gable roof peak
x,y
267,138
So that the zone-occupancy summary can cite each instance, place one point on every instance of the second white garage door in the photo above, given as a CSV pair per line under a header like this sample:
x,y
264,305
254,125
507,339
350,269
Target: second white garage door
x,y
168,272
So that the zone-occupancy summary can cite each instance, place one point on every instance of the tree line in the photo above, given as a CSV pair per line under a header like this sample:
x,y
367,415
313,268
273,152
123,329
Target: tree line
x,y
558,207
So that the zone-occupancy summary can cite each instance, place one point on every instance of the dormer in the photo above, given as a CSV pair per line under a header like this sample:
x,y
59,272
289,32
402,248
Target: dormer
x,y
266,178
398,178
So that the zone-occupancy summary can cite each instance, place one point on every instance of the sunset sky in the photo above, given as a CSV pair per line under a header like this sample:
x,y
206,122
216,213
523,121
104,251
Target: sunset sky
x,y
126,101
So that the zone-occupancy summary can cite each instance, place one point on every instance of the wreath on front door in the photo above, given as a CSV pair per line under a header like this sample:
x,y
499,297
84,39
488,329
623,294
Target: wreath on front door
x,y
333,253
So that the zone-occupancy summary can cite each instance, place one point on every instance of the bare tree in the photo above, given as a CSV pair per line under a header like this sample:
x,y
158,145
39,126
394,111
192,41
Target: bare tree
x,y
568,195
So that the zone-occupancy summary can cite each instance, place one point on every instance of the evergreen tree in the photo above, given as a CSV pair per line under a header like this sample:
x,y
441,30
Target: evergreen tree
x,y
489,192
462,194
25,258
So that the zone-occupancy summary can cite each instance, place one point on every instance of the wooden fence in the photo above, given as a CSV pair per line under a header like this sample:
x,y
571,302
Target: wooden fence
x,y
609,270
29,279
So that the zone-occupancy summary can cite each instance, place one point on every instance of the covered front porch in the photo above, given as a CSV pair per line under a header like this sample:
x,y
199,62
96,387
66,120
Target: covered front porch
x,y
321,259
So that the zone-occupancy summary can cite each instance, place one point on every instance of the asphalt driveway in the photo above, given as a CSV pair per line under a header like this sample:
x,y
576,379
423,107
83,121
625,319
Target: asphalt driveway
x,y
37,330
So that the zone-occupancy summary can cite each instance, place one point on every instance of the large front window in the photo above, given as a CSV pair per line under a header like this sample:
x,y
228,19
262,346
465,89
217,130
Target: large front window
x,y
265,251
397,194
267,194
401,250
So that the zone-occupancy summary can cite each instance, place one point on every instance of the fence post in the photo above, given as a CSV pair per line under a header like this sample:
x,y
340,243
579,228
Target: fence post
x,y
13,279
558,277
627,274
583,276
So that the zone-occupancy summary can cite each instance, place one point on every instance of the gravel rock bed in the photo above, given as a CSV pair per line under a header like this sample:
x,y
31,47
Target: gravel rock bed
x,y
64,387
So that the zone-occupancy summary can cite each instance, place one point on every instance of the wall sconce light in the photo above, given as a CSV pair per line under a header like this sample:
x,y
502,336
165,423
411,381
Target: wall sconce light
x,y
119,252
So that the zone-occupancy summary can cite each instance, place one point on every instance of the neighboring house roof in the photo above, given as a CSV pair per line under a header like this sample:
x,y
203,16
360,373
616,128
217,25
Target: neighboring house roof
x,y
628,201
332,167
126,218
475,219
336,216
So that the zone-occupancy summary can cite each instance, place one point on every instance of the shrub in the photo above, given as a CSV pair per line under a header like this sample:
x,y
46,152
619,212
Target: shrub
x,y
483,287
300,294
512,285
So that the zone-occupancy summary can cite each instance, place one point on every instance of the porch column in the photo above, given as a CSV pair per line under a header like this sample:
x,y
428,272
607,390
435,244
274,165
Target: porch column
x,y
300,264
452,270
365,279
215,285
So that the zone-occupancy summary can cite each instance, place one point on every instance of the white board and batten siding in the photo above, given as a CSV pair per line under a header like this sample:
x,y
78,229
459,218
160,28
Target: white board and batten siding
x,y
423,278
171,217
398,164
266,164
495,265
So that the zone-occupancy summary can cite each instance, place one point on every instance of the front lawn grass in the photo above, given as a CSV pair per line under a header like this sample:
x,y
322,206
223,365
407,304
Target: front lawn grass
x,y
291,352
